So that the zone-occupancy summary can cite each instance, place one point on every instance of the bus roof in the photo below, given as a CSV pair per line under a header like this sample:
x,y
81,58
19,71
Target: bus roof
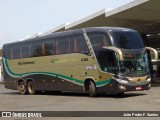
x,y
71,32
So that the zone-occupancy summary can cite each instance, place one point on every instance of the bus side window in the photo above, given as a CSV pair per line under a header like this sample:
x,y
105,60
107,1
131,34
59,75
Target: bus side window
x,y
111,62
99,39
63,45
80,44
15,52
25,51
106,60
7,52
36,49
49,47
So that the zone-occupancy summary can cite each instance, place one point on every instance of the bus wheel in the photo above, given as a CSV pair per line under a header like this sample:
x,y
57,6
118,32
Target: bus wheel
x,y
92,89
31,88
22,88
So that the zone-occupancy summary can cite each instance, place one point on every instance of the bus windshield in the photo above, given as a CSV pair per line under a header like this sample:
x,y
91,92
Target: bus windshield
x,y
126,39
134,65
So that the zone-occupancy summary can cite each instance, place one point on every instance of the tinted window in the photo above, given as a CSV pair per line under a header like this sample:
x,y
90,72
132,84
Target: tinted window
x,y
80,45
36,49
63,45
127,39
49,47
25,50
7,52
98,39
15,52
106,60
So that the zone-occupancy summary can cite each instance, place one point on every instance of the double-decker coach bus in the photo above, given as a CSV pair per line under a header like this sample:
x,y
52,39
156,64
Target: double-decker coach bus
x,y
93,60
155,62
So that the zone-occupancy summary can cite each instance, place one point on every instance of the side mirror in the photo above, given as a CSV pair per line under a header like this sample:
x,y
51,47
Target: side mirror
x,y
155,60
118,51
155,53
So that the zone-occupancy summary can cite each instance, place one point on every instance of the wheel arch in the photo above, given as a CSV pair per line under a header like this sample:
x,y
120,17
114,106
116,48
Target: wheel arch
x,y
30,79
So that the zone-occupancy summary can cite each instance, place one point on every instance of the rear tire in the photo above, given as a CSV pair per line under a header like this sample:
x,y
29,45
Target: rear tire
x,y
22,88
31,88
92,89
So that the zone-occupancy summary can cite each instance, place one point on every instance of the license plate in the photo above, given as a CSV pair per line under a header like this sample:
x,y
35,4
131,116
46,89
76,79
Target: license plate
x,y
138,88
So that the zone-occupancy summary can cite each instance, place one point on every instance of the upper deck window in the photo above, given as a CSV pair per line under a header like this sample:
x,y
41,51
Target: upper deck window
x,y
7,52
15,52
25,50
127,39
80,44
36,49
63,45
99,39
49,47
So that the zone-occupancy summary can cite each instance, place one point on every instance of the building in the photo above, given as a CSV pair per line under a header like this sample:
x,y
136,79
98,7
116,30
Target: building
x,y
142,15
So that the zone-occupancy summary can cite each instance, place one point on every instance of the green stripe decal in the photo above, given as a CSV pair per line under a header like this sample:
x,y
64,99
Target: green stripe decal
x,y
70,79
104,82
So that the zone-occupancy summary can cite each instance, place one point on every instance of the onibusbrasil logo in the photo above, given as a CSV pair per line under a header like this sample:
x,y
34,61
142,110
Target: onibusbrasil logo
x,y
21,114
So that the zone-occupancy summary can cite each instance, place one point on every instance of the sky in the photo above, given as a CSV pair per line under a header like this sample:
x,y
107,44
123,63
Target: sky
x,y
22,18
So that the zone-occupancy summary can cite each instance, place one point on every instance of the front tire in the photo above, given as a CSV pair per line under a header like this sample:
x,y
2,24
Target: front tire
x,y
31,88
92,89
22,88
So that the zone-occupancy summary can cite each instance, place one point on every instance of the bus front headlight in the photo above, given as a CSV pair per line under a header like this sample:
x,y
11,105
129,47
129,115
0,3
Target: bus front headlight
x,y
122,81
148,80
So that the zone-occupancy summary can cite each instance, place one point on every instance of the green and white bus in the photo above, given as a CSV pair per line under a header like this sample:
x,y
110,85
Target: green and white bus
x,y
92,60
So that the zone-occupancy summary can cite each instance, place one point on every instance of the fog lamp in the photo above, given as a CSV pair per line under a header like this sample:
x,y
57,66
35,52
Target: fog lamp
x,y
122,87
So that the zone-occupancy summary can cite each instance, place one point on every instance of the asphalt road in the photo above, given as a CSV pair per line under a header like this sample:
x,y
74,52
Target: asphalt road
x,y
11,100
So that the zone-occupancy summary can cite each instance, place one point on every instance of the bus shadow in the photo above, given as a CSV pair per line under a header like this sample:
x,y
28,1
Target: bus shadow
x,y
11,93
125,95
155,84
74,94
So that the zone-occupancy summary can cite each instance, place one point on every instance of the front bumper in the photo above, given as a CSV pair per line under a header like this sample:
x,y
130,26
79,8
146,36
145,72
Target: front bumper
x,y
133,86
116,87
